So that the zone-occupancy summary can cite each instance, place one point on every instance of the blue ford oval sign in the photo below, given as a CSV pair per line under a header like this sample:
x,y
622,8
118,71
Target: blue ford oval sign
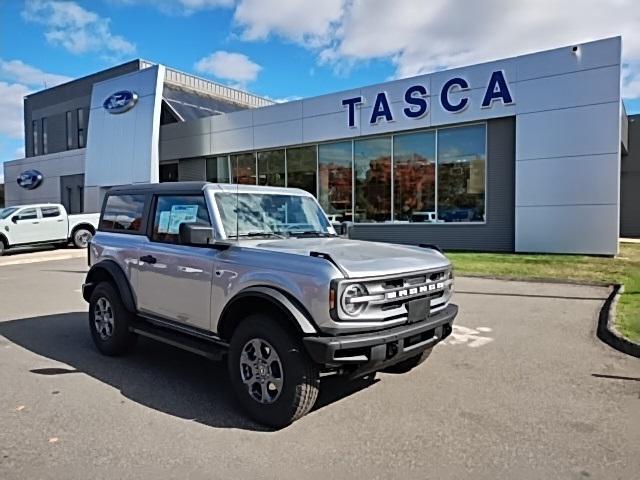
x,y
120,102
30,179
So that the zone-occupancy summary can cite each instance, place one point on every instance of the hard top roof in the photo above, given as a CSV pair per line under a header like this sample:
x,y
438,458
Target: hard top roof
x,y
197,187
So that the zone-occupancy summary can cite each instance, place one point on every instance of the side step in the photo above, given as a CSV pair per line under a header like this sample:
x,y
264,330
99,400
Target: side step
x,y
199,346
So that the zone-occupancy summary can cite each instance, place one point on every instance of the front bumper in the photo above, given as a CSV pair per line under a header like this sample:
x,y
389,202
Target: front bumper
x,y
375,350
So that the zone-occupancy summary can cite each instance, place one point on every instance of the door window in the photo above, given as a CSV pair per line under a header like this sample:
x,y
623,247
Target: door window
x,y
27,214
50,212
174,210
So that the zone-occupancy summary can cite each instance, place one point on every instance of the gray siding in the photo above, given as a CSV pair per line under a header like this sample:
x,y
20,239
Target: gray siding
x,y
630,183
192,169
53,104
497,234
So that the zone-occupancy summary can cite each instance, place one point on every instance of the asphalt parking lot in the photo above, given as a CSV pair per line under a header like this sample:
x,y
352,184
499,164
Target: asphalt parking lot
x,y
523,389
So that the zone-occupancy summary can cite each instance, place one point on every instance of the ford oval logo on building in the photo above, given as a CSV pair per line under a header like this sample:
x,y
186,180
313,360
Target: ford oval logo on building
x,y
120,102
30,179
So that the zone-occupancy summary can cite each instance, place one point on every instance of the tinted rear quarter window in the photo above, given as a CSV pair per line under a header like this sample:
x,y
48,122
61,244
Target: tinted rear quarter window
x,y
123,213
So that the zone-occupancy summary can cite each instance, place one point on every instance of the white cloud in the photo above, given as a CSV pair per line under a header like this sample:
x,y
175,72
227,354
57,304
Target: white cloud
x,y
20,72
179,7
234,67
420,37
76,29
11,115
18,79
302,21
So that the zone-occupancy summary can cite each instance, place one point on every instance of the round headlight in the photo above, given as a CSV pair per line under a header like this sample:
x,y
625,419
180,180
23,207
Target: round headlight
x,y
349,301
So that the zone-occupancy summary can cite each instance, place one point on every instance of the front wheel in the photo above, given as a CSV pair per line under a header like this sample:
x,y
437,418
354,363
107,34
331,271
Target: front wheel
x,y
109,321
271,374
81,237
409,364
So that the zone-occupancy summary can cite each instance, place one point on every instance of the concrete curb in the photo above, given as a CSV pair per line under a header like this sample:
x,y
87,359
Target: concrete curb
x,y
607,331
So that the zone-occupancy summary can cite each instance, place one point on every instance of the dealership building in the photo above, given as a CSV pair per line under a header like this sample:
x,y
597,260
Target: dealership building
x,y
533,153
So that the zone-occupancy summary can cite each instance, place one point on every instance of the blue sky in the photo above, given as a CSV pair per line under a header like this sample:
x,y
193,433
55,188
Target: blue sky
x,y
289,48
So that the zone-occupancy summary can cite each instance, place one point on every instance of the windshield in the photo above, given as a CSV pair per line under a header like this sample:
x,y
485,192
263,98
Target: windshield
x,y
267,214
5,212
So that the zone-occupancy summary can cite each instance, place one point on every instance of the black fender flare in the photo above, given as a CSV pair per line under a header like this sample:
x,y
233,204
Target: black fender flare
x,y
110,270
296,312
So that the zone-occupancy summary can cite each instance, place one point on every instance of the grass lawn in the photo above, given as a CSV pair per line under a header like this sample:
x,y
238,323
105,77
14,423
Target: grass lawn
x,y
624,269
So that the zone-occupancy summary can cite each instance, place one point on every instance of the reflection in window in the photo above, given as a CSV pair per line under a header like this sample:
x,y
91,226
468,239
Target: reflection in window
x,y
34,138
461,174
244,168
271,168
372,162
414,176
335,179
123,212
45,136
218,169
301,168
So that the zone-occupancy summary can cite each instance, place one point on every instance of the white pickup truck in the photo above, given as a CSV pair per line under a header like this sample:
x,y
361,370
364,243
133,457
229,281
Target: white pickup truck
x,y
46,223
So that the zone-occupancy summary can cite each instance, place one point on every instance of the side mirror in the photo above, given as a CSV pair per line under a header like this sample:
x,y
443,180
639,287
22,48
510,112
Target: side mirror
x,y
191,234
198,235
15,219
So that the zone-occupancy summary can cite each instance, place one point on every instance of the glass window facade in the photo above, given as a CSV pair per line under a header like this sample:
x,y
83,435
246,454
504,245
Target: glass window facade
x,y
271,168
302,167
80,113
218,169
435,176
372,179
69,120
461,174
244,168
34,138
335,182
45,136
414,177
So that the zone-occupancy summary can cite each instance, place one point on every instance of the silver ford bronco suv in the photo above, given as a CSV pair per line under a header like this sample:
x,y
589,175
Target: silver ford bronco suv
x,y
258,276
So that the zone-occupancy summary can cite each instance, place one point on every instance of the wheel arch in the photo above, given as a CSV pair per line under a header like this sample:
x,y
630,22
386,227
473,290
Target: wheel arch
x,y
4,240
263,299
110,271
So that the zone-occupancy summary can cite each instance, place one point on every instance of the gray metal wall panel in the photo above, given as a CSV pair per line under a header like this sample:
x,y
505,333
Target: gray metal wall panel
x,y
497,234
66,97
630,183
192,169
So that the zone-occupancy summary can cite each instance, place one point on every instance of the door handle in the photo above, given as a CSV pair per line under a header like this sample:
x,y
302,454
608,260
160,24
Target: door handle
x,y
148,259
61,220
35,223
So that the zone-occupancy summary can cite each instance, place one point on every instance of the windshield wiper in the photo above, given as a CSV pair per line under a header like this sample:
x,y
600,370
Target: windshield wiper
x,y
311,233
260,234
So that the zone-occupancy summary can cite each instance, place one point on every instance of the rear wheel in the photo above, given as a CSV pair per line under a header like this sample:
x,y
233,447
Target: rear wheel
x,y
81,237
109,321
271,374
409,364
2,247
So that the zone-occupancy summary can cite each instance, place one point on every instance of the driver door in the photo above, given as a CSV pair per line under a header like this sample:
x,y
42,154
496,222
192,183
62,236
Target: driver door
x,y
26,226
174,280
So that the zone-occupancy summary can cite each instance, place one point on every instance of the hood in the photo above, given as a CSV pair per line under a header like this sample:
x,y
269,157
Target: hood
x,y
360,258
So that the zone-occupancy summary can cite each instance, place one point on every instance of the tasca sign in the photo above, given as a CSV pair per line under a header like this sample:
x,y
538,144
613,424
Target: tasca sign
x,y
416,104
120,102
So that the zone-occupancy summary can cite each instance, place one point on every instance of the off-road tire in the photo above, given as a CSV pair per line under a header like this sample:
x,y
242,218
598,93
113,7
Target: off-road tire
x,y
121,339
300,375
409,364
